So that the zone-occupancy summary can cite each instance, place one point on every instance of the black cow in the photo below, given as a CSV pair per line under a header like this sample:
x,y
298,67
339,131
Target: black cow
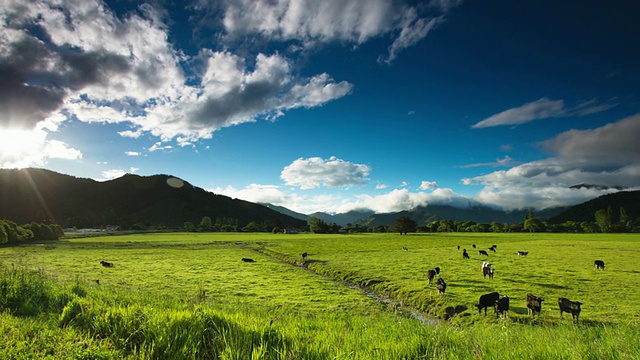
x,y
474,246
488,270
248,260
458,247
437,269
441,286
430,275
487,300
534,304
502,306
569,306
523,253
598,265
404,248
492,249
465,255
483,252
304,255
106,263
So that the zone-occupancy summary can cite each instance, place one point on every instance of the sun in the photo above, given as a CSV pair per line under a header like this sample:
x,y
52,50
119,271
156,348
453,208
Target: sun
x,y
19,147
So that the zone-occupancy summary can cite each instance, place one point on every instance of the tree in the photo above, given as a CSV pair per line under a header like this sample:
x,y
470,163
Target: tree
x,y
317,225
189,226
533,225
604,219
205,224
404,224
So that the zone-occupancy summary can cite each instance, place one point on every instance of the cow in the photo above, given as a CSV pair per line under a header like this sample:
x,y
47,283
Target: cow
x,y
430,275
304,256
483,252
437,269
474,245
569,306
485,264
488,271
404,248
492,249
458,247
523,253
502,306
534,304
441,286
465,255
486,301
598,265
249,260
106,263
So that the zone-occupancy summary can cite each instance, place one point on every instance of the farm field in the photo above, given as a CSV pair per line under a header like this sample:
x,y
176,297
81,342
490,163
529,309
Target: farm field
x,y
358,296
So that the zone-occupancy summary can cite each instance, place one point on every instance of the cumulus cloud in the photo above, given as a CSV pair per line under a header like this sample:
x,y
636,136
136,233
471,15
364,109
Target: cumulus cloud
x,y
403,199
608,156
540,109
79,60
316,172
355,21
428,185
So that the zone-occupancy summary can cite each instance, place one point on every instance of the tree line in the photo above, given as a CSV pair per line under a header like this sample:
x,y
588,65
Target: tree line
x,y
605,221
12,233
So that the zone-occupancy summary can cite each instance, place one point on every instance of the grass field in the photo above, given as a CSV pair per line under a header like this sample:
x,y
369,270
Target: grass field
x,y
352,298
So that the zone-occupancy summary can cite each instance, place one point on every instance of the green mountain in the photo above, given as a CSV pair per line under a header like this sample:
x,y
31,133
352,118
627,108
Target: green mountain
x,y
45,196
627,200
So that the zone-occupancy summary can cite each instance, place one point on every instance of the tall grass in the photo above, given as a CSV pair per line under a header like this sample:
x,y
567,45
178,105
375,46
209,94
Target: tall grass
x,y
102,324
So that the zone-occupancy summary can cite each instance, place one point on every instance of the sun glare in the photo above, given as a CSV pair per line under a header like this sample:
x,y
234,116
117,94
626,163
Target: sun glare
x,y
17,146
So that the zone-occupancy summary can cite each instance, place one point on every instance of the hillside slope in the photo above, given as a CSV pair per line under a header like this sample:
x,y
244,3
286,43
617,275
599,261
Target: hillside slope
x,y
160,200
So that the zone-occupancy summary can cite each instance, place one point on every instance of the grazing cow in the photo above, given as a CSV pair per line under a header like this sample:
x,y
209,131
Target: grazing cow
x,y
598,265
248,260
483,252
569,306
106,263
465,255
404,248
474,246
441,286
437,269
492,249
304,256
502,306
534,304
488,271
486,301
430,275
458,247
523,253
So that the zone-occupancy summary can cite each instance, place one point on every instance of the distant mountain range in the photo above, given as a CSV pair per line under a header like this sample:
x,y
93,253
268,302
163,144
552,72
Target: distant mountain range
x,y
45,196
162,200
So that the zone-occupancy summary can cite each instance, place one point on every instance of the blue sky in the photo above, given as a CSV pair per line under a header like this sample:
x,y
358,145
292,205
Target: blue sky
x,y
330,105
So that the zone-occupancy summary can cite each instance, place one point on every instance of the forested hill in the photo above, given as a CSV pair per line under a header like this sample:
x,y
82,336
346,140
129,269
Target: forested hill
x,y
625,202
45,196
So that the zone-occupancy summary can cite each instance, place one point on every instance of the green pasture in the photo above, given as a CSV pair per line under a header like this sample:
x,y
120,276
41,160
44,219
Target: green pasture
x,y
354,297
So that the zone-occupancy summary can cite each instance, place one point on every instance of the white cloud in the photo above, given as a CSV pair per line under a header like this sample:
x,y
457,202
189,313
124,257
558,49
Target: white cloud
x,y
428,185
132,153
333,172
85,62
113,174
403,199
356,21
505,162
381,186
607,156
540,109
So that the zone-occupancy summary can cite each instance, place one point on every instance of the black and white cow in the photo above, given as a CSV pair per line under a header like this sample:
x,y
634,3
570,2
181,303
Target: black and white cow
x,y
523,253
441,286
598,265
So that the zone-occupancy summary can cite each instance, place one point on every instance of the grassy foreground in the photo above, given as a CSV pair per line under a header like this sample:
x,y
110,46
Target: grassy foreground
x,y
188,296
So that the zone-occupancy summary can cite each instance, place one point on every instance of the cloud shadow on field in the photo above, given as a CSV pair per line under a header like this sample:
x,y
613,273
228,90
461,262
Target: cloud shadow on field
x,y
550,286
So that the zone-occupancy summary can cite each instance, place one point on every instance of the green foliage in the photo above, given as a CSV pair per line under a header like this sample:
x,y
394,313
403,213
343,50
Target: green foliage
x,y
404,225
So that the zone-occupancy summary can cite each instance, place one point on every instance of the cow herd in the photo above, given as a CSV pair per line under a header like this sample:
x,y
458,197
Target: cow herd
x,y
500,304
